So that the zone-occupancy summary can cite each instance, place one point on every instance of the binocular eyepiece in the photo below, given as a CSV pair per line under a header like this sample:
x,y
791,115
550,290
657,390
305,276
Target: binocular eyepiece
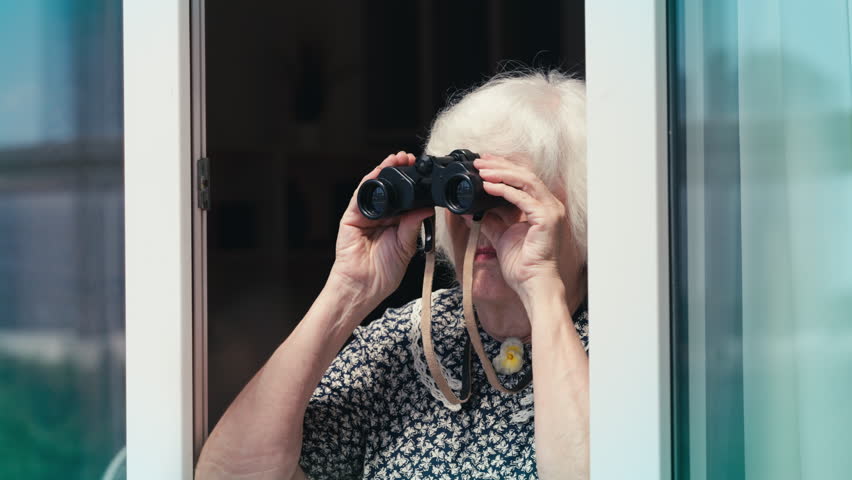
x,y
451,182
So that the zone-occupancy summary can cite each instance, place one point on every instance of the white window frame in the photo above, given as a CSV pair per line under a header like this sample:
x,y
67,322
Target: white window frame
x,y
628,239
158,215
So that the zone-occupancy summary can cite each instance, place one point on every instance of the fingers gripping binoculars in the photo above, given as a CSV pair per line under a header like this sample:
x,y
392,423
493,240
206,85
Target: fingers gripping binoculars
x,y
451,182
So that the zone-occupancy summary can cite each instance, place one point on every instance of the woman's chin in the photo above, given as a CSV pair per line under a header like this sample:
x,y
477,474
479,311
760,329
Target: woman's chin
x,y
489,286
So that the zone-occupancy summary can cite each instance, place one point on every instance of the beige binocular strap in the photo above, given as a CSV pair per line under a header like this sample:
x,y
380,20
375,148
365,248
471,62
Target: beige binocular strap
x,y
470,324
428,348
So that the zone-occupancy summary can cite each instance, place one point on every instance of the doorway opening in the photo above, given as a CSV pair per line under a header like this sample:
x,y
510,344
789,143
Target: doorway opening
x,y
302,100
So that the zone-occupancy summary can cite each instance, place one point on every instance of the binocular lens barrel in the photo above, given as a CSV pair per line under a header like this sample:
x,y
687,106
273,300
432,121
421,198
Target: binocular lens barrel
x,y
378,199
450,182
375,198
465,194
460,193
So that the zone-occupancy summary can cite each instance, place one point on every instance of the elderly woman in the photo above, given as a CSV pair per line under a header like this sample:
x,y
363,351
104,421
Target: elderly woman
x,y
371,410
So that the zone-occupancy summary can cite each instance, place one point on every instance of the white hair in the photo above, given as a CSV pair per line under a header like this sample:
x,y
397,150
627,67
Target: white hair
x,y
538,115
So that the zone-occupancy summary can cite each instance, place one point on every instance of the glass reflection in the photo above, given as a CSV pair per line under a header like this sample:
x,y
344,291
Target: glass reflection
x,y
62,407
762,165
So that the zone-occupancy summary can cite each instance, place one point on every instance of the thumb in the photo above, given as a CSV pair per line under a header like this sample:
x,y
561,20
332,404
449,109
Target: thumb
x,y
409,227
492,228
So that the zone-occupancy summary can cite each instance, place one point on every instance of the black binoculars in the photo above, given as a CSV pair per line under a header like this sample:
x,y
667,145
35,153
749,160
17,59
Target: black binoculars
x,y
451,182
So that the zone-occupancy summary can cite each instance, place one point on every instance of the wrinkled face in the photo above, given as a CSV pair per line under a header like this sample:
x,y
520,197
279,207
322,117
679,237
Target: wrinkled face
x,y
488,282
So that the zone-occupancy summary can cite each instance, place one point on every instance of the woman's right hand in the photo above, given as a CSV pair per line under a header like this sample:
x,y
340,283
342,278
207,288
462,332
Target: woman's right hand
x,y
372,255
260,435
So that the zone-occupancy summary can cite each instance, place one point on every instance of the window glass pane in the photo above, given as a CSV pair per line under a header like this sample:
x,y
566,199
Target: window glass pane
x,y
761,112
62,407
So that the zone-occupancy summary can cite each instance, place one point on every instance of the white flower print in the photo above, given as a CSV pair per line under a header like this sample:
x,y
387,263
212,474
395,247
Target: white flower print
x,y
372,417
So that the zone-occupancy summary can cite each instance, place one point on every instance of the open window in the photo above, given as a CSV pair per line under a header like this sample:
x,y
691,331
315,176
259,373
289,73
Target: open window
x,y
290,104
300,101
722,127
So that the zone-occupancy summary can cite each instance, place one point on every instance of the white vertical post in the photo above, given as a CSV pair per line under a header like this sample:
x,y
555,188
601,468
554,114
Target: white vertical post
x,y
158,239
628,239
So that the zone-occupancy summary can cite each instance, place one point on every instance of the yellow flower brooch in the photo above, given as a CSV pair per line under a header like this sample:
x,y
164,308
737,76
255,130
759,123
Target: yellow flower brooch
x,y
511,357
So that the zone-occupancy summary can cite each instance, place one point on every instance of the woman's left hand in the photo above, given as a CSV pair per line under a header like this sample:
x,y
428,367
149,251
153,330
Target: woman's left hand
x,y
528,251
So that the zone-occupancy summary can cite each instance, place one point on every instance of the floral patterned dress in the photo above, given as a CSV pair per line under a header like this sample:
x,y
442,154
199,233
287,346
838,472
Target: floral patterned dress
x,y
378,414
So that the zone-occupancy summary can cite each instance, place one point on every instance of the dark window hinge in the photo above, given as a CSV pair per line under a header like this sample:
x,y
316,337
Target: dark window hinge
x,y
203,172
